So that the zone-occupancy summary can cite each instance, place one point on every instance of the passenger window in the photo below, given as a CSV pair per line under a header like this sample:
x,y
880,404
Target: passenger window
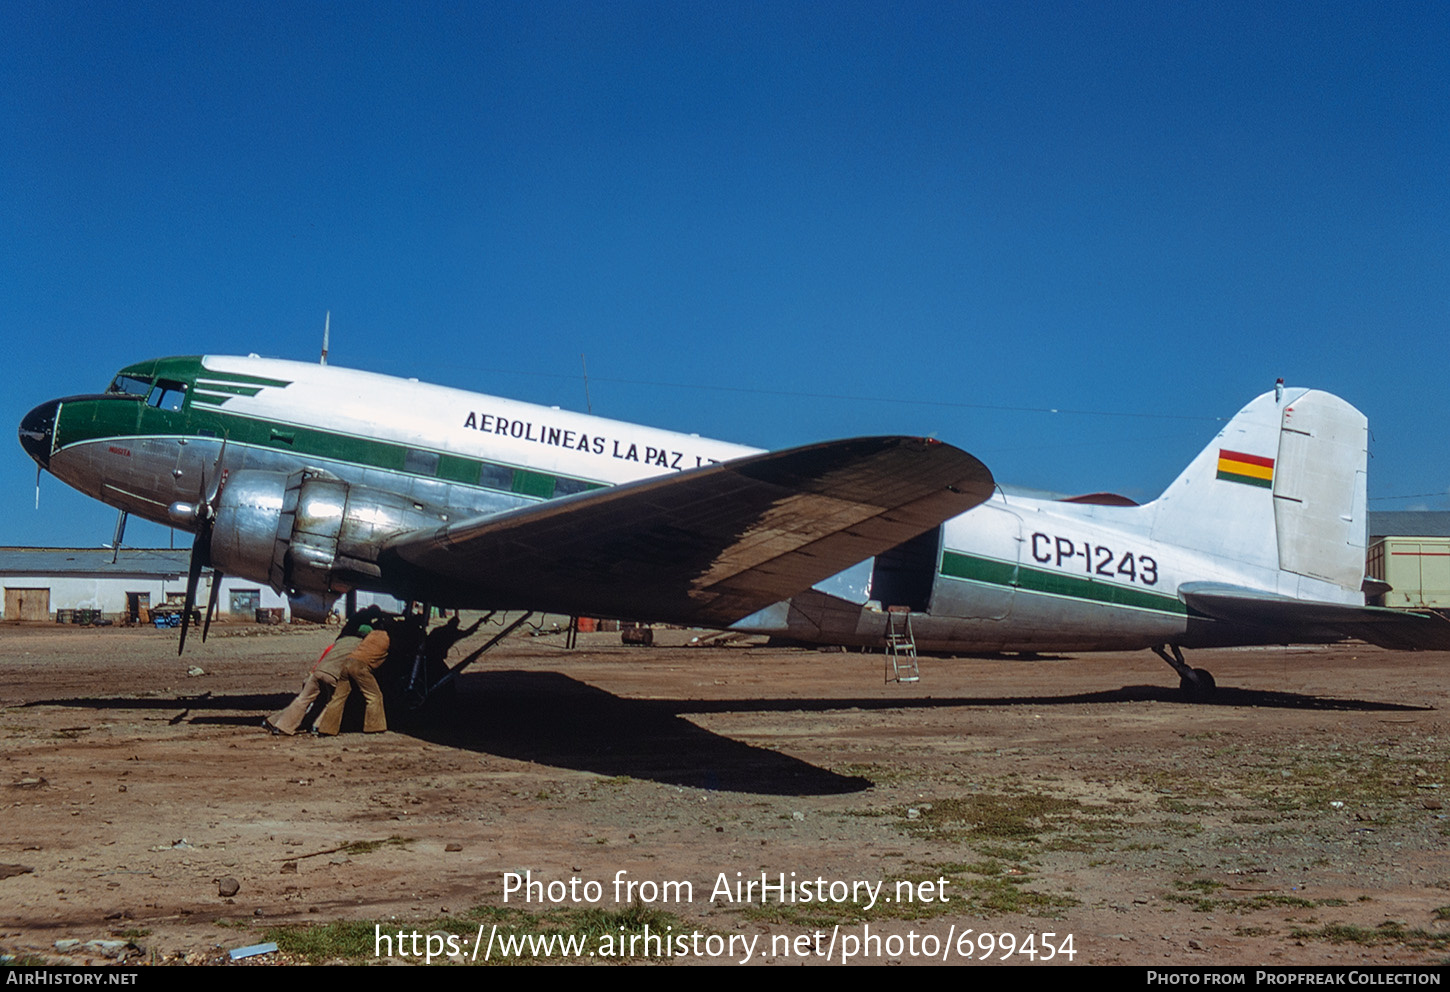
x,y
420,462
496,476
566,487
167,395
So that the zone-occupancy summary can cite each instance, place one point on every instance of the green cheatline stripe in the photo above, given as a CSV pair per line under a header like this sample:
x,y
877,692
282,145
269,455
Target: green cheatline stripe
x,y
995,572
528,483
88,420
238,377
1247,480
200,397
237,389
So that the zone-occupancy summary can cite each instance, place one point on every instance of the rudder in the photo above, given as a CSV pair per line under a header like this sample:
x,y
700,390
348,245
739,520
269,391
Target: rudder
x,y
1319,490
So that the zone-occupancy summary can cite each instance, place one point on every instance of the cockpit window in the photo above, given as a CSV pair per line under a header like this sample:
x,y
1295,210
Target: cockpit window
x,y
129,385
167,395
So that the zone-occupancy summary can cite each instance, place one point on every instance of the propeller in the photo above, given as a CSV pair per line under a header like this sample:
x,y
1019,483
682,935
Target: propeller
x,y
206,506
211,603
200,557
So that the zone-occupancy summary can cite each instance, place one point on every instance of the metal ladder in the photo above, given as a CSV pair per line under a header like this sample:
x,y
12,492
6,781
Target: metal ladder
x,y
900,647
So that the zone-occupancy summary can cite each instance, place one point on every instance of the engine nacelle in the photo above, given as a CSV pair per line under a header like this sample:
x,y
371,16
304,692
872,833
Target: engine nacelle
x,y
309,534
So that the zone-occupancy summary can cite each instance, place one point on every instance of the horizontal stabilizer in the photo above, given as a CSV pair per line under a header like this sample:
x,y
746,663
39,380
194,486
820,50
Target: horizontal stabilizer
x,y
707,546
1305,620
1100,499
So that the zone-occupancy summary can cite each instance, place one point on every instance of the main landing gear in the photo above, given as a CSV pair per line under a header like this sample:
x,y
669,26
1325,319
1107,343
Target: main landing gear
x,y
1195,683
426,680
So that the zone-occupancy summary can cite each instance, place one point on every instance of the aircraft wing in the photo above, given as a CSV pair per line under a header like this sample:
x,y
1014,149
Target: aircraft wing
x,y
706,546
1396,629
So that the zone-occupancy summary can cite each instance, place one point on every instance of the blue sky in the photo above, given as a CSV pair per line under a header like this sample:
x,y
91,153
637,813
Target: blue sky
x,y
765,222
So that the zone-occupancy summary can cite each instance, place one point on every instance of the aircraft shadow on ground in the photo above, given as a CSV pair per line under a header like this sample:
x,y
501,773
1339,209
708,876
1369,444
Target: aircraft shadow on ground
x,y
1223,696
556,720
261,702
552,719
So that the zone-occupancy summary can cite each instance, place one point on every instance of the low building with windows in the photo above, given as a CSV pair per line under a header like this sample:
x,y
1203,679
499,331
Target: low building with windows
x,y
85,584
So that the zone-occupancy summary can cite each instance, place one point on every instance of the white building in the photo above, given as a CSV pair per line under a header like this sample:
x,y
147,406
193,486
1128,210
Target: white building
x,y
41,583
53,583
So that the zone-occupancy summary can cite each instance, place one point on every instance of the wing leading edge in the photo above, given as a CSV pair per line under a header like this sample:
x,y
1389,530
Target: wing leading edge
x,y
707,546
1396,629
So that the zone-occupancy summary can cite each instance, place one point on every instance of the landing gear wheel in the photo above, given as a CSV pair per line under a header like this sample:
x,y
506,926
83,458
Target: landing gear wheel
x,y
1198,688
1195,683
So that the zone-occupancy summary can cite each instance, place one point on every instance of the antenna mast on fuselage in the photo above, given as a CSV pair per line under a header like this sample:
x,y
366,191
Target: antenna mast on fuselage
x,y
326,329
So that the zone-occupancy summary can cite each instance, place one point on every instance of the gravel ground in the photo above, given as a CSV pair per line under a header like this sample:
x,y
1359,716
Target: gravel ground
x,y
1297,818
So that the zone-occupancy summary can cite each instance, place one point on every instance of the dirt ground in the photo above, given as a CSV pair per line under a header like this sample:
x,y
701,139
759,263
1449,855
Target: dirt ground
x,y
1297,818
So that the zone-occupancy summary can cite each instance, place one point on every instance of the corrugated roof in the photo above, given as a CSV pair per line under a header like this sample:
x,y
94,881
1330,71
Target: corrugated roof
x,y
161,563
1409,523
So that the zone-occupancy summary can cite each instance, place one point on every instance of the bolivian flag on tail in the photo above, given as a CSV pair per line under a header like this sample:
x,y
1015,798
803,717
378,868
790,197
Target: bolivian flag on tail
x,y
1252,470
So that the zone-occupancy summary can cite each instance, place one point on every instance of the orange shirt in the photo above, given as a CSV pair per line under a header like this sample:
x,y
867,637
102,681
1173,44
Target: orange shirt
x,y
373,650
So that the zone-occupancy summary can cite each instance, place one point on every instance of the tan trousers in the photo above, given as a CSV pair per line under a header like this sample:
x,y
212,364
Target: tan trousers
x,y
289,718
374,719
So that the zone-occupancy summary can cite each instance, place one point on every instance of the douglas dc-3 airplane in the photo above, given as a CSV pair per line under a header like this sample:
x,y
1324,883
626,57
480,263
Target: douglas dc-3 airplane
x,y
320,480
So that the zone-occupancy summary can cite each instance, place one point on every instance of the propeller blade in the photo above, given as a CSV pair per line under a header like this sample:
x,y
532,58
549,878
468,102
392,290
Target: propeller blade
x,y
211,603
200,555
206,505
192,577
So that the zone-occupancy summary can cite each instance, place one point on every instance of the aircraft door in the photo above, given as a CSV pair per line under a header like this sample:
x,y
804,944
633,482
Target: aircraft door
x,y
903,575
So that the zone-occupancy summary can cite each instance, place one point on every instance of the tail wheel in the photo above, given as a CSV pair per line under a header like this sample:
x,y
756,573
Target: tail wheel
x,y
1201,686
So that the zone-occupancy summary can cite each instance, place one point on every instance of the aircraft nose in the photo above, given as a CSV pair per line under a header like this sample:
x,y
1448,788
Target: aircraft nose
x,y
37,431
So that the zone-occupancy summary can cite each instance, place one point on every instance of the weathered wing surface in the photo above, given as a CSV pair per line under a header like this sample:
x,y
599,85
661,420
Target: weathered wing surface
x,y
1295,618
707,546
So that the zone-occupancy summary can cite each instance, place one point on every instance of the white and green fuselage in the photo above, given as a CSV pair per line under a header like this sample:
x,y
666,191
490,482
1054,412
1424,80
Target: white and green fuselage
x,y
449,448
1266,507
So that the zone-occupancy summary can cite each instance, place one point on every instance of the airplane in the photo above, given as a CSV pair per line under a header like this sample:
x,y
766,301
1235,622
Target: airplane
x,y
321,480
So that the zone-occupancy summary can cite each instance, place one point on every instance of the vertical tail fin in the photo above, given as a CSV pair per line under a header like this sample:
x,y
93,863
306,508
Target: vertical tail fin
x,y
1281,488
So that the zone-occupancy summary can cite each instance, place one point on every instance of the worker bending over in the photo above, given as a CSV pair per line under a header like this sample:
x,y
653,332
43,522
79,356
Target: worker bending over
x,y
357,670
